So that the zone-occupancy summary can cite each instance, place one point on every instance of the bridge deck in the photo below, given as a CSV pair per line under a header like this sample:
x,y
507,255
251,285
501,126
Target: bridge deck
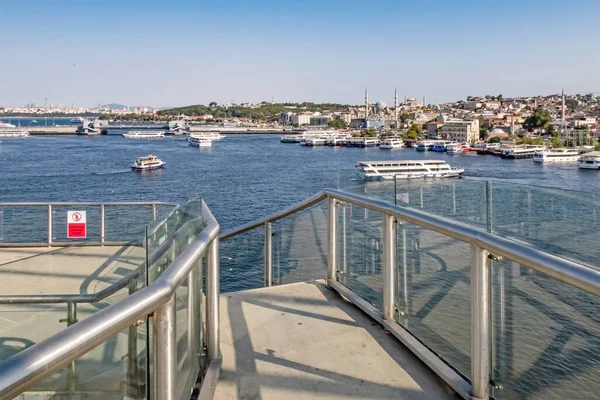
x,y
304,341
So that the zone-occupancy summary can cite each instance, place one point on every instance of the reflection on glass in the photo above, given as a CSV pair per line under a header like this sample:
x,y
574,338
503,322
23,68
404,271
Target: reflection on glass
x,y
300,246
434,297
359,252
546,336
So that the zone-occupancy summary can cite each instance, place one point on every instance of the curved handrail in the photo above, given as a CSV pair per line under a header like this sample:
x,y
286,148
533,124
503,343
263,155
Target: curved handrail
x,y
32,365
87,203
277,216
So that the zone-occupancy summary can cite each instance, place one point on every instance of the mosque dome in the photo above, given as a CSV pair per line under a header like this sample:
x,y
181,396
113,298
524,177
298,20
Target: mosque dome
x,y
380,105
497,131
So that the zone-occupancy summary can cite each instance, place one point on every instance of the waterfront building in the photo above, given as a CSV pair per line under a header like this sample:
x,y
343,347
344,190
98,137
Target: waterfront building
x,y
462,131
433,129
320,119
301,119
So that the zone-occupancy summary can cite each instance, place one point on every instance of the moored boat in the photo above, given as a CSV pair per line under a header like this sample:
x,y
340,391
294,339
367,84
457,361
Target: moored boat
x,y
556,155
520,152
148,162
454,148
590,160
391,143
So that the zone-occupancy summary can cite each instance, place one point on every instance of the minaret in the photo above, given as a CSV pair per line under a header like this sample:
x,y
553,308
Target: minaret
x,y
366,103
396,106
405,99
562,108
424,101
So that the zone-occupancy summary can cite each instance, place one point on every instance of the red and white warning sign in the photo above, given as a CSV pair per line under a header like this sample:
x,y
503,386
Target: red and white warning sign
x,y
76,224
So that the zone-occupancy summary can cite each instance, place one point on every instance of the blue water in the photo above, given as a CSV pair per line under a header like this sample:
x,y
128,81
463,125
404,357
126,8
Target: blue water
x,y
244,177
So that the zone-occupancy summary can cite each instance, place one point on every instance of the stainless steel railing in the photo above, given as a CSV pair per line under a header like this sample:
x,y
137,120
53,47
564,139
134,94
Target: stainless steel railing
x,y
102,216
482,245
30,366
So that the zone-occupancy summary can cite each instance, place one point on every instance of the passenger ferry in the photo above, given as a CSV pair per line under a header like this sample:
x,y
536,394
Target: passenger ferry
x,y
147,163
454,148
425,145
590,160
315,141
391,143
440,146
362,142
143,135
291,139
208,136
12,132
520,152
556,155
406,169
197,141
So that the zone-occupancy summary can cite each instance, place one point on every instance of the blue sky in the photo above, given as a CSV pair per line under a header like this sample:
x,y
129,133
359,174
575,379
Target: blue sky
x,y
176,53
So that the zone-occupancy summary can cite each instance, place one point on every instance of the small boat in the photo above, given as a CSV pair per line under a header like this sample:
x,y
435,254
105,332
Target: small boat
x,y
212,136
406,169
556,155
391,143
147,163
197,141
440,146
466,147
520,152
590,161
425,145
454,148
143,135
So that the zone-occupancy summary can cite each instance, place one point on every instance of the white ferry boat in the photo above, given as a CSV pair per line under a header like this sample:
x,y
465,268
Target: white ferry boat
x,y
406,169
520,152
291,138
197,141
12,132
315,141
440,146
212,136
454,148
391,143
143,135
147,163
556,155
363,142
590,160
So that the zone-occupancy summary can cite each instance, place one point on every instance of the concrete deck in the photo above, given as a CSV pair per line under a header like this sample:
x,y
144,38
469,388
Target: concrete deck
x,y
304,341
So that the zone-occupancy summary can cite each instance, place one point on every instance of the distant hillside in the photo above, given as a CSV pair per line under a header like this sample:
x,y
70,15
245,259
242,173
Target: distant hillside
x,y
116,106
264,111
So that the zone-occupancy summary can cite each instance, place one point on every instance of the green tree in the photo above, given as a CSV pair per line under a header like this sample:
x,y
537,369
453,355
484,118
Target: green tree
x,y
556,143
483,130
212,104
338,123
572,104
495,139
539,120
413,132
500,97
538,141
370,132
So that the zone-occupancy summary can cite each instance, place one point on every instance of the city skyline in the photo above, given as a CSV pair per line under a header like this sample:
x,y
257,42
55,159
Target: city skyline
x,y
188,53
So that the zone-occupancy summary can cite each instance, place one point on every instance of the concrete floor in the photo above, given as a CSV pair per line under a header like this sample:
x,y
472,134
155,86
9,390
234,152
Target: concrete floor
x,y
303,341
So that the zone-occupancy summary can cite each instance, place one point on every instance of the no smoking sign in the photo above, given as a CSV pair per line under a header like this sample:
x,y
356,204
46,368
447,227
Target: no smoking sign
x,y
76,225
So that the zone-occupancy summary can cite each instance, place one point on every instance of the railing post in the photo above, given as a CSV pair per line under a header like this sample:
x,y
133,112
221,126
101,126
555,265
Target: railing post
x,y
388,264
165,351
49,225
132,352
102,224
153,212
212,301
193,321
331,242
480,322
488,206
268,255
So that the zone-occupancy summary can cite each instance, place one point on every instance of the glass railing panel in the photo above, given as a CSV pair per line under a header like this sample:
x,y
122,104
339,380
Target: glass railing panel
x,y
242,261
299,252
166,238
546,336
559,222
359,252
433,293
23,224
116,369
463,200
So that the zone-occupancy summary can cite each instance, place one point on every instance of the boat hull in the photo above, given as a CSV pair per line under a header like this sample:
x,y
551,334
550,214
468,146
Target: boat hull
x,y
421,175
148,168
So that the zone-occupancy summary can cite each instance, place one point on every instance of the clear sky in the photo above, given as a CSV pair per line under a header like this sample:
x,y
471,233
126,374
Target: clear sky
x,y
172,53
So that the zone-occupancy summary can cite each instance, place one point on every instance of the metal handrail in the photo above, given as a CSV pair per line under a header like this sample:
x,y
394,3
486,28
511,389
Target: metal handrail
x,y
101,205
32,365
482,246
